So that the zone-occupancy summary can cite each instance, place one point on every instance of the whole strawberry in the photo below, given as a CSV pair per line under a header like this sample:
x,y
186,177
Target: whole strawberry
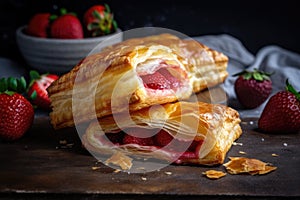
x,y
66,26
282,112
99,20
38,25
37,90
252,88
16,112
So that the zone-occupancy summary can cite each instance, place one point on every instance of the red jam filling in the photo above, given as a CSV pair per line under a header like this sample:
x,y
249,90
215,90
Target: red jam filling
x,y
160,80
161,140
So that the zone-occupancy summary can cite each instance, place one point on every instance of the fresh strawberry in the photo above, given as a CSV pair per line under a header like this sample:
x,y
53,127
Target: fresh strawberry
x,y
38,25
89,16
16,112
252,88
146,138
282,112
99,20
66,26
37,90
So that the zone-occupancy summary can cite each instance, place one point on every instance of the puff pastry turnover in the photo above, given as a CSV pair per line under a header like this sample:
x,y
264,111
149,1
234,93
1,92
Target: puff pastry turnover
x,y
132,75
181,132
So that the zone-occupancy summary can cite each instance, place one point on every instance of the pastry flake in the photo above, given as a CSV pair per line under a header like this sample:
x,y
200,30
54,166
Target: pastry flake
x,y
121,160
238,165
214,174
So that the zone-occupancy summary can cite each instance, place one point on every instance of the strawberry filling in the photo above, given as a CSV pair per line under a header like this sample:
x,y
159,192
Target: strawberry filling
x,y
155,140
162,79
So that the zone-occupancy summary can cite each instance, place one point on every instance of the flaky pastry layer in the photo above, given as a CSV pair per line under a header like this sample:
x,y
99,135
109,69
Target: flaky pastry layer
x,y
214,124
110,81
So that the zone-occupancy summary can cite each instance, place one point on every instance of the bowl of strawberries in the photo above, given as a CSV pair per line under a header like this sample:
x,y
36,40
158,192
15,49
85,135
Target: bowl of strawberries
x,y
56,43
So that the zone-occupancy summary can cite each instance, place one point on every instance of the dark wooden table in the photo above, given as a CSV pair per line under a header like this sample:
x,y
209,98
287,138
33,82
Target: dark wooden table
x,y
42,166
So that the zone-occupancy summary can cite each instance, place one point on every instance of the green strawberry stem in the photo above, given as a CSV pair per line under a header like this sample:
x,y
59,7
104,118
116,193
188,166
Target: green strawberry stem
x,y
12,85
107,8
105,23
34,75
62,11
255,74
291,89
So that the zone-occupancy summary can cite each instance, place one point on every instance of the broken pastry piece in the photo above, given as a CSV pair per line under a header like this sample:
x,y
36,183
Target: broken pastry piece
x,y
214,174
239,165
132,75
181,133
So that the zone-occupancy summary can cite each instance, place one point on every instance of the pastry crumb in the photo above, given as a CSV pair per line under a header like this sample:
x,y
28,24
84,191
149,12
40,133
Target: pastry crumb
x,y
237,143
121,160
168,173
274,155
95,168
242,152
214,174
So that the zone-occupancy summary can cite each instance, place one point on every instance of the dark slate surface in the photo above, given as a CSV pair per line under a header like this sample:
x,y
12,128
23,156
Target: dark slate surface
x,y
38,166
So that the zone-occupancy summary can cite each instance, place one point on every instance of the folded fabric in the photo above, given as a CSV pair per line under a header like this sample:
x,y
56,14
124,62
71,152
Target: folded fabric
x,y
284,63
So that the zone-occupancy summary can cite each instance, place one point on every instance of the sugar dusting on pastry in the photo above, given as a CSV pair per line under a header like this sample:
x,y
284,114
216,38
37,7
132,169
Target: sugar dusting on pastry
x,y
121,160
214,174
238,165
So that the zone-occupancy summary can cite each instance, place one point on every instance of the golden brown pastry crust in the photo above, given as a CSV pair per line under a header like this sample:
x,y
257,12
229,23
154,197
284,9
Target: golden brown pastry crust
x,y
200,67
206,66
217,125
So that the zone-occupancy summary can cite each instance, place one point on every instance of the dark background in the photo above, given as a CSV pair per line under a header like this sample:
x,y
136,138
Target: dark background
x,y
255,23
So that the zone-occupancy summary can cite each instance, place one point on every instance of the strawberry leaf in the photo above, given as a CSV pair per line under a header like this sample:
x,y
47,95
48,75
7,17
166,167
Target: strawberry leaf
x,y
63,11
257,76
10,93
12,83
115,25
107,8
97,15
21,85
291,89
92,26
247,76
34,75
265,77
3,85
33,95
53,17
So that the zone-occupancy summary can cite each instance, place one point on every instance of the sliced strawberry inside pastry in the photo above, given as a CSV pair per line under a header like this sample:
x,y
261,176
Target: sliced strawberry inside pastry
x,y
162,79
180,132
152,140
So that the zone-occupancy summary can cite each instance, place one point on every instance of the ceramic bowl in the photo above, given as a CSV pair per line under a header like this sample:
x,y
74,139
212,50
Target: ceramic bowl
x,y
59,55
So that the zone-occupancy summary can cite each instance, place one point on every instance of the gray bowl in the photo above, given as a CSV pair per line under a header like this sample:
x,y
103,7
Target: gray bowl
x,y
59,55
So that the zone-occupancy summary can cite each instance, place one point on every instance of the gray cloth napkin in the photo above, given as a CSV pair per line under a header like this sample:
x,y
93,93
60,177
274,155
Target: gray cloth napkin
x,y
284,63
